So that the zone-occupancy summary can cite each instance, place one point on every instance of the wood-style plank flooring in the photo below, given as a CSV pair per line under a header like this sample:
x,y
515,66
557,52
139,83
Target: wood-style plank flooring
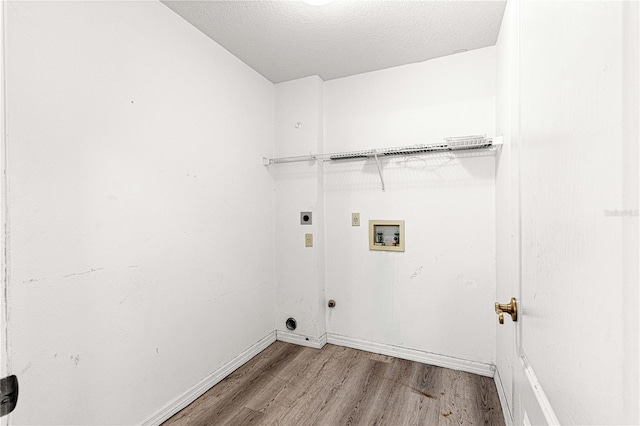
x,y
294,385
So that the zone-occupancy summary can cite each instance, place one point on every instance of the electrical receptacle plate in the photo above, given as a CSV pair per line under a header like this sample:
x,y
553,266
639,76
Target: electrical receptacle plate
x,y
305,218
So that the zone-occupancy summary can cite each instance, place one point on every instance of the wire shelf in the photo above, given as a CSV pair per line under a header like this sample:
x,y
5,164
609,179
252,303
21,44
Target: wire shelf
x,y
449,144
462,143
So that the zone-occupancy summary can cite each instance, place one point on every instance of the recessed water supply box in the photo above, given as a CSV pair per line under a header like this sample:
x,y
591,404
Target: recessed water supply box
x,y
386,235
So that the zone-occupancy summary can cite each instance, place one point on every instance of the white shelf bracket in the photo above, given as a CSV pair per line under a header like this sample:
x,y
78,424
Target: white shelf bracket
x,y
379,170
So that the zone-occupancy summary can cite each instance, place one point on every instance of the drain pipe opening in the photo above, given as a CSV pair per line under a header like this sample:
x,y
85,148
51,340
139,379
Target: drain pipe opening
x,y
291,323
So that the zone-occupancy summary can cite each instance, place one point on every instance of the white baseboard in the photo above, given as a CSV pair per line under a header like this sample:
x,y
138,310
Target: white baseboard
x,y
413,355
192,394
508,417
298,339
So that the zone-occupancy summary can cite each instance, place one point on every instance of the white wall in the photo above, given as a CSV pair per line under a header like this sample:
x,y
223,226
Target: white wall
x,y
438,295
141,225
299,188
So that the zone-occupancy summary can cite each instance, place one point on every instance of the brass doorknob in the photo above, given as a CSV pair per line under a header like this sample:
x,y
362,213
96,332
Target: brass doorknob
x,y
510,308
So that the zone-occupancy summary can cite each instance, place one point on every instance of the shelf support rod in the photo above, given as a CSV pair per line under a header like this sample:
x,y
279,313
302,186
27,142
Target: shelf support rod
x,y
379,170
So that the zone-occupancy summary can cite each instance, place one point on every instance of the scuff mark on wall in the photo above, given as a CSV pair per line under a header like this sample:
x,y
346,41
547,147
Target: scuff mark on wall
x,y
226,293
82,273
24,370
33,280
467,283
416,273
131,292
75,359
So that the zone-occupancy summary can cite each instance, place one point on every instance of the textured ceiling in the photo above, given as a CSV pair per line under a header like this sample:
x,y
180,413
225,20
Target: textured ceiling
x,y
286,40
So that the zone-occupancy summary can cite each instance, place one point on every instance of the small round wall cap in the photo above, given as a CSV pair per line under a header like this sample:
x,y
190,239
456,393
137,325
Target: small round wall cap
x,y
291,323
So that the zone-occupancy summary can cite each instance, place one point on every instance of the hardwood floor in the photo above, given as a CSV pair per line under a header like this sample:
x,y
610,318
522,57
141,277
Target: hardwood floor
x,y
294,385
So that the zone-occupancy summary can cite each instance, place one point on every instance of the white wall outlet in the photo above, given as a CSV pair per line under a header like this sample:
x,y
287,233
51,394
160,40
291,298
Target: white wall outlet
x,y
308,240
355,219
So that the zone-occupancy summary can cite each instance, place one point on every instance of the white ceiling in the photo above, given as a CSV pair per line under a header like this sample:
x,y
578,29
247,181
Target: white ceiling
x,y
286,40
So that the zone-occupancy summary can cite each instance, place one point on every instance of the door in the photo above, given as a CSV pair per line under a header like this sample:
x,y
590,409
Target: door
x,y
577,338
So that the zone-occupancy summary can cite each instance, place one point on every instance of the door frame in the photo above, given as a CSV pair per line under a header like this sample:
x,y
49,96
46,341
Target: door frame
x,y
5,362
